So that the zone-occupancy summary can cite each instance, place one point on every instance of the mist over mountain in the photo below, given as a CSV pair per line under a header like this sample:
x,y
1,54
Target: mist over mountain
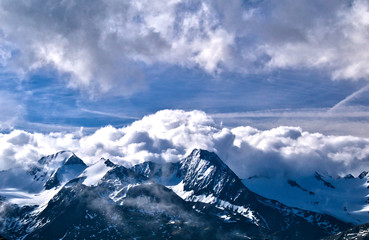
x,y
181,119
199,196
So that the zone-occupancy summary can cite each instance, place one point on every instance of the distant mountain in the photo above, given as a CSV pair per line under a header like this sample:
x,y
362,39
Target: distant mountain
x,y
346,198
199,197
360,232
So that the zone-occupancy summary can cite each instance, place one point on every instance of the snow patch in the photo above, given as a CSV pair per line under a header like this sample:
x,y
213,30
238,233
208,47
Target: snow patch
x,y
94,173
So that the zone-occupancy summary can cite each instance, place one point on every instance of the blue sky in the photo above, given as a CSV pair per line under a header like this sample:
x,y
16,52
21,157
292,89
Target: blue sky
x,y
261,63
280,85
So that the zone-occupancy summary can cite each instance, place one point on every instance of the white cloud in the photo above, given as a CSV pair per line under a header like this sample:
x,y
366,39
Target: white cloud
x,y
169,135
343,119
329,35
102,45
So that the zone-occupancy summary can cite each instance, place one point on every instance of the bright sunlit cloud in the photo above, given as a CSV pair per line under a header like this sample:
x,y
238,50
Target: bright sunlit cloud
x,y
168,135
102,46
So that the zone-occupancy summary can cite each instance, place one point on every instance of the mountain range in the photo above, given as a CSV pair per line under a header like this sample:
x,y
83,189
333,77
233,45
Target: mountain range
x,y
60,197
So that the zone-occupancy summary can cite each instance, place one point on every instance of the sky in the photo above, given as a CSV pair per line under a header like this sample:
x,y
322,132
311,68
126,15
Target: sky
x,y
74,68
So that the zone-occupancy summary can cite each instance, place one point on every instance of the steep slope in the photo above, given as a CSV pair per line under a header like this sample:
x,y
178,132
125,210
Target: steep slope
x,y
57,169
345,198
203,178
13,219
123,205
197,198
360,232
36,185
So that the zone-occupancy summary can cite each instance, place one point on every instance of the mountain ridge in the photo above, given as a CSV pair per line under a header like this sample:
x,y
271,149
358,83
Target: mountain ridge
x,y
171,195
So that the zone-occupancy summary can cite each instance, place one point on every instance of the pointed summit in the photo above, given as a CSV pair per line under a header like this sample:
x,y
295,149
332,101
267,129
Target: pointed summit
x,y
74,160
60,168
204,173
211,157
61,158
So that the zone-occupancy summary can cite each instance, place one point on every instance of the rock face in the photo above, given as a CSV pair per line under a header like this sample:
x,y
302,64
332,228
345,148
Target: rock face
x,y
202,177
57,169
199,197
205,174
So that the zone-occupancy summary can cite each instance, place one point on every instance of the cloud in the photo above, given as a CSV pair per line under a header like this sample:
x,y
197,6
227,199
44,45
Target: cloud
x,y
104,46
169,135
101,45
344,119
329,35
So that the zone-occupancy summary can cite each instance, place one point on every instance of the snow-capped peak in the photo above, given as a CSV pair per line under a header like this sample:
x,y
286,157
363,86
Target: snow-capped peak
x,y
200,154
203,173
76,194
94,173
54,161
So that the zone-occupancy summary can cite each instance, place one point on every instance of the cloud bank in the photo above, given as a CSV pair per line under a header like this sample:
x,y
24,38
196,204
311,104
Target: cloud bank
x,y
103,46
168,135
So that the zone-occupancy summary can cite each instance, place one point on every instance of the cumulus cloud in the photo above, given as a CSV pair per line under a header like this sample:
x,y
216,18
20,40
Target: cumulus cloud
x,y
329,35
102,46
169,135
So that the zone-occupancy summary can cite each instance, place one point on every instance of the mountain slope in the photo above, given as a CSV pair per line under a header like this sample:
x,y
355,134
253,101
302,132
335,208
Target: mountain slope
x,y
37,184
197,198
123,205
345,198
203,178
360,232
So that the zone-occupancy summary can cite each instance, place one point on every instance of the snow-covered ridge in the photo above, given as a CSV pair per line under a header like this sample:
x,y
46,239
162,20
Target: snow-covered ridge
x,y
38,184
206,179
201,183
346,198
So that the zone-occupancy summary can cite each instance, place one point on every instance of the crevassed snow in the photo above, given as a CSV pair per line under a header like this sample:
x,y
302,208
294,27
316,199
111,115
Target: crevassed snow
x,y
348,200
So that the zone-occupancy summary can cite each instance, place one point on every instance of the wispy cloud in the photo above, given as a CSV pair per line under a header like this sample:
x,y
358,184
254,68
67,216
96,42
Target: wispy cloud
x,y
348,112
115,115
346,120
12,111
349,98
